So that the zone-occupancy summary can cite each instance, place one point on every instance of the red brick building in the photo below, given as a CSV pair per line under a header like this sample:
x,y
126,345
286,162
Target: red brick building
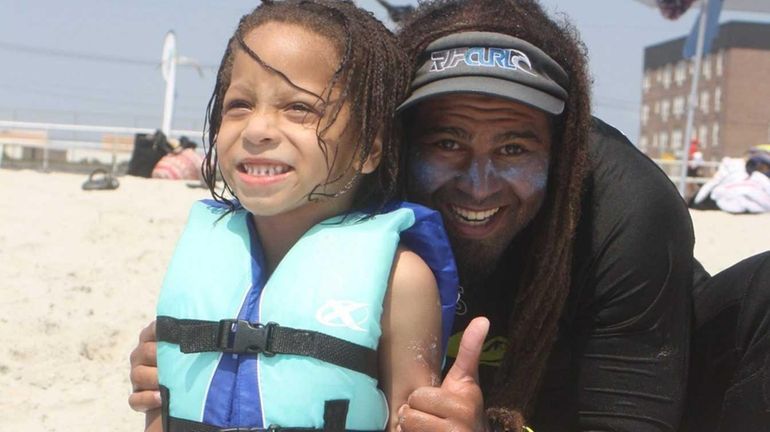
x,y
733,98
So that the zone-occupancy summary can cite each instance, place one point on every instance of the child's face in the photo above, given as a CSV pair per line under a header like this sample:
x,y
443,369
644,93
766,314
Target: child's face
x,y
267,144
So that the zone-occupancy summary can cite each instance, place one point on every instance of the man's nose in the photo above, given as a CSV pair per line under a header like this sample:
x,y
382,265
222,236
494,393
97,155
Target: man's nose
x,y
480,180
261,128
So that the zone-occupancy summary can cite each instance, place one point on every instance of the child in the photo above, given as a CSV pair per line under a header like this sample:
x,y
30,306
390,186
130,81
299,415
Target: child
x,y
292,322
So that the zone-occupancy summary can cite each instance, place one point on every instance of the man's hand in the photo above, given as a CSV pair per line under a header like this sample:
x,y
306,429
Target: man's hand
x,y
144,372
458,404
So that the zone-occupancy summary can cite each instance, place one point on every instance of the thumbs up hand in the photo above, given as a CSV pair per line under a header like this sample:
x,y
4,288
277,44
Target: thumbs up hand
x,y
458,404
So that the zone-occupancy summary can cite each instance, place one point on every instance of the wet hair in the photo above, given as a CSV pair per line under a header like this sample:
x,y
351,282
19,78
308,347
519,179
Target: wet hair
x,y
546,245
372,77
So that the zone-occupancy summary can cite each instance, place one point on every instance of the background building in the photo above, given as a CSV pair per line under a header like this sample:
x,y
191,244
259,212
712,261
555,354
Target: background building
x,y
733,98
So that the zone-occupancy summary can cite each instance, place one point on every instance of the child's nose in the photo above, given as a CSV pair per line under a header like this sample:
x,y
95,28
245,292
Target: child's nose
x,y
261,129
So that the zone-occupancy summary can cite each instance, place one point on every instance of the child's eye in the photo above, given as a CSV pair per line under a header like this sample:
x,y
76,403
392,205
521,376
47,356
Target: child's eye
x,y
236,104
300,107
302,113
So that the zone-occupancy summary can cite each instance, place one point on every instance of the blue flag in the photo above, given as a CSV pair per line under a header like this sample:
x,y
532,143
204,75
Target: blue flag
x,y
712,30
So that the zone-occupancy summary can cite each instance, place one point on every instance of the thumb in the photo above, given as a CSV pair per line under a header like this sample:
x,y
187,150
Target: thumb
x,y
466,365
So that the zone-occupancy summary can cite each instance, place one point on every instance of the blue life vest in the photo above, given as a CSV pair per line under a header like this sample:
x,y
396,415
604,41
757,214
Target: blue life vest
x,y
328,291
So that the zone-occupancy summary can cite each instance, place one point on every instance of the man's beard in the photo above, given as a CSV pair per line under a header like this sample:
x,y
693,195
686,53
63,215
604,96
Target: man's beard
x,y
476,259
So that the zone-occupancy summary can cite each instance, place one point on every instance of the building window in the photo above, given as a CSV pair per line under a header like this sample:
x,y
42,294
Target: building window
x,y
676,139
705,99
663,141
646,83
715,135
667,77
656,109
643,143
720,63
678,108
680,74
717,99
645,114
658,76
664,110
707,68
703,136
655,140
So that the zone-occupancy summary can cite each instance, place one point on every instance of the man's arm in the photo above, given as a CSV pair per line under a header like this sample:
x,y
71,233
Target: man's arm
x,y
631,311
144,378
633,359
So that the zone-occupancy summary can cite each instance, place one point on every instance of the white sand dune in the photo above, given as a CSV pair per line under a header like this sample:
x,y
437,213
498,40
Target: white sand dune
x,y
79,273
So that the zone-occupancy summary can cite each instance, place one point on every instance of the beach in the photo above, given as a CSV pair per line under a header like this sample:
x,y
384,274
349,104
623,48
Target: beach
x,y
80,272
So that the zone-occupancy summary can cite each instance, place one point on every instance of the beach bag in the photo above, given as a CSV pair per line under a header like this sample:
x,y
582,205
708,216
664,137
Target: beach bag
x,y
148,150
181,165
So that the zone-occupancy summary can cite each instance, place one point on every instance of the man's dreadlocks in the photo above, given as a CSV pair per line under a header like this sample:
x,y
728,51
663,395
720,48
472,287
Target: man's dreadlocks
x,y
546,246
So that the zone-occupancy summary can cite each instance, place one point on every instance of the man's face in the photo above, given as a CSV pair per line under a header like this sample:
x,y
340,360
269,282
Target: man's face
x,y
483,163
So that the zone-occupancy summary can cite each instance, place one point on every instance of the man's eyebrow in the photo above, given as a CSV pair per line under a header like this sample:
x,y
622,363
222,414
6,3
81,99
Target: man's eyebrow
x,y
454,131
518,134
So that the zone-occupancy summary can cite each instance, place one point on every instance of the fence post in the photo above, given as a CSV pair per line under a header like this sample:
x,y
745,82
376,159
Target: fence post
x,y
114,158
45,155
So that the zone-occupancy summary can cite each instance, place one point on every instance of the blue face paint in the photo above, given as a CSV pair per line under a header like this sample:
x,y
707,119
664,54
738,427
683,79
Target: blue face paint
x,y
533,174
425,176
479,178
483,163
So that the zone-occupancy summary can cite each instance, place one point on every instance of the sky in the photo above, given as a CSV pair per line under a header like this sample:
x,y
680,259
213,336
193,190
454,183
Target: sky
x,y
98,62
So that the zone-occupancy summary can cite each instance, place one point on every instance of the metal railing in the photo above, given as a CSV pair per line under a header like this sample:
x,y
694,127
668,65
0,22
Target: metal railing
x,y
670,166
46,143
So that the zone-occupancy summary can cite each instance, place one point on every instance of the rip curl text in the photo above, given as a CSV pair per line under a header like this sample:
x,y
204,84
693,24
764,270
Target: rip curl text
x,y
505,58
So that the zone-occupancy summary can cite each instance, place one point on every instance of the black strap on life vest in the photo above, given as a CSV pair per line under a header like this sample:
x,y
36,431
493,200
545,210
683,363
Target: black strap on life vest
x,y
335,416
243,337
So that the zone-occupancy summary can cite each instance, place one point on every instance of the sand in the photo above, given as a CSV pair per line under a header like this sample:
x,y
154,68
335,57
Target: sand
x,y
79,273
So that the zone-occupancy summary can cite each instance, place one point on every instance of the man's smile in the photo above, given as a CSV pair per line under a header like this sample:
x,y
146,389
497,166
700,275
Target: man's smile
x,y
473,223
473,217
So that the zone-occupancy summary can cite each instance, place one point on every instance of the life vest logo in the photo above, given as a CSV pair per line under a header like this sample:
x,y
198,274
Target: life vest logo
x,y
505,58
343,313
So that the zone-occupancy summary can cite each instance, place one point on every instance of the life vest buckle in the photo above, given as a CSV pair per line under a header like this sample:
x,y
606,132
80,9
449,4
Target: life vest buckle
x,y
243,337
271,428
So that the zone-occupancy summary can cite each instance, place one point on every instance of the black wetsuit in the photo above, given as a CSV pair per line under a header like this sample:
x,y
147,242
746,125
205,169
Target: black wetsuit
x,y
621,358
729,384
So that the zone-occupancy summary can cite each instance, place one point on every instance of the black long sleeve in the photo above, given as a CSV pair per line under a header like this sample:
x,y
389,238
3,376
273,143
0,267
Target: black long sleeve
x,y
620,363
620,360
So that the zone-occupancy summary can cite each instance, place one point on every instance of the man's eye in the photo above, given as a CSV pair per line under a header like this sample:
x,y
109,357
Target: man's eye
x,y
447,145
512,150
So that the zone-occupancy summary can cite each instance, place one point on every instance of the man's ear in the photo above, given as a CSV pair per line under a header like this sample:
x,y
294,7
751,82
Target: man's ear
x,y
375,155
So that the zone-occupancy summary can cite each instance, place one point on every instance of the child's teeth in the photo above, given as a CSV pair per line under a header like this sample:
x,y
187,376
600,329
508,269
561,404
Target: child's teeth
x,y
265,170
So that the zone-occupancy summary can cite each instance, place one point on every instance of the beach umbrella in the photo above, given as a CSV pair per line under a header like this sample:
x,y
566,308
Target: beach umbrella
x,y
698,42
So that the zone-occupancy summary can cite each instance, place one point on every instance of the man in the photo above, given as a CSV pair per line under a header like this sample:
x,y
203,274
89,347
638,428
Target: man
x,y
589,309
573,244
